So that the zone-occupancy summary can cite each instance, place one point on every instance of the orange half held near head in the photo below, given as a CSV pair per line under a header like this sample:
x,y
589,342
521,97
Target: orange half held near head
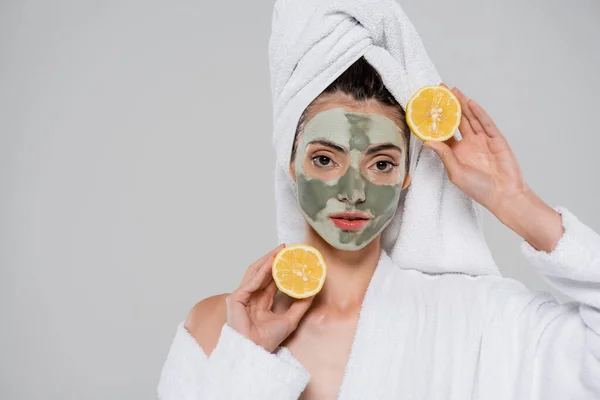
x,y
433,113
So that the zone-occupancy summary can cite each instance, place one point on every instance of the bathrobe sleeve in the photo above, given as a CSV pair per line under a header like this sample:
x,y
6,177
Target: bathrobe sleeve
x,y
560,343
236,369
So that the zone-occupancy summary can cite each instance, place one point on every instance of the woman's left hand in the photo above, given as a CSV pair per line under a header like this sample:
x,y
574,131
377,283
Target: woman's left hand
x,y
482,164
484,167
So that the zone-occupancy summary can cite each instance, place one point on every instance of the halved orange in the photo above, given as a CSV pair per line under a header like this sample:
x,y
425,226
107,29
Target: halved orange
x,y
433,113
299,271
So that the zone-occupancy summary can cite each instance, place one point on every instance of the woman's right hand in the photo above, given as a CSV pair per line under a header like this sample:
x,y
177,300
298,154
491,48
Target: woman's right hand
x,y
249,306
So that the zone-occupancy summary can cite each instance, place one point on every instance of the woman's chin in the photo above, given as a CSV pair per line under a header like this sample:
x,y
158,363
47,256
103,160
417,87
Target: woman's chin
x,y
350,245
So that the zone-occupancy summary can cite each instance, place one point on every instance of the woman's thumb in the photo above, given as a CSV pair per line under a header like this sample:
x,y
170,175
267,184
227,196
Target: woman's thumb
x,y
297,310
447,156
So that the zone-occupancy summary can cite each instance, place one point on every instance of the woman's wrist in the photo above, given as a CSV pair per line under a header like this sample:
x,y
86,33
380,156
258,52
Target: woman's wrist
x,y
532,219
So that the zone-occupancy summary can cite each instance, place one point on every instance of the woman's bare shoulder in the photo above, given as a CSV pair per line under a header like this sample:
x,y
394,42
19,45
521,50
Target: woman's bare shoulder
x,y
205,321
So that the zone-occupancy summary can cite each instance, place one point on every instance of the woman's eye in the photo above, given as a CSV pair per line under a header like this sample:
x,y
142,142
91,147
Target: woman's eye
x,y
384,166
322,161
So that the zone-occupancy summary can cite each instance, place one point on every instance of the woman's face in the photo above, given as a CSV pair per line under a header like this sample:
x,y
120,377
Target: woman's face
x,y
350,171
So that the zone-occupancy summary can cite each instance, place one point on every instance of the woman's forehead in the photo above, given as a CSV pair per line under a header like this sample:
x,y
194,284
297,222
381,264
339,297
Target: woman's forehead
x,y
352,128
346,101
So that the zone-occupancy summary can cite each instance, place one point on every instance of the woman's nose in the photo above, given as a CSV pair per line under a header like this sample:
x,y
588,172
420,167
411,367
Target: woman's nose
x,y
351,187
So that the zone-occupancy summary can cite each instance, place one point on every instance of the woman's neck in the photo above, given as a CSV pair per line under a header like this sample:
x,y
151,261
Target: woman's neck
x,y
348,273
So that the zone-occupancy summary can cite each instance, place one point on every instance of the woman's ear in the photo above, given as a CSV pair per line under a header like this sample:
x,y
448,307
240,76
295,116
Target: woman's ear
x,y
292,170
406,181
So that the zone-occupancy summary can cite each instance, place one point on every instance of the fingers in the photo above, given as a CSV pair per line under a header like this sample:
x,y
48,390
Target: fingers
x,y
259,281
445,152
257,276
451,141
255,266
466,124
479,120
266,300
464,127
486,121
297,310
271,289
474,124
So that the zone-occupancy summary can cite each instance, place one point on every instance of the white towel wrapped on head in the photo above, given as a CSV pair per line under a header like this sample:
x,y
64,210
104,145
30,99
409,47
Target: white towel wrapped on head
x,y
437,228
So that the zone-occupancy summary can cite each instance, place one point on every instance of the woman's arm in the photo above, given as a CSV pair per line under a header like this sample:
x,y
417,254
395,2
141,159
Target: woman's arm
x,y
556,346
233,367
559,344
535,221
225,349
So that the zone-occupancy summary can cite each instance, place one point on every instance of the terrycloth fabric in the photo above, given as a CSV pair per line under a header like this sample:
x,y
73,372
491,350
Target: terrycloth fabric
x,y
421,336
236,369
466,335
437,228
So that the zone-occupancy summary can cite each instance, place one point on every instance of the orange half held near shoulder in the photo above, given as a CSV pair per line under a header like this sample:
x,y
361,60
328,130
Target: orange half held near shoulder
x,y
299,271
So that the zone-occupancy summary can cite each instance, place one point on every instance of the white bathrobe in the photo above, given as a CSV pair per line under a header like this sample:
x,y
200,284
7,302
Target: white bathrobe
x,y
423,336
438,321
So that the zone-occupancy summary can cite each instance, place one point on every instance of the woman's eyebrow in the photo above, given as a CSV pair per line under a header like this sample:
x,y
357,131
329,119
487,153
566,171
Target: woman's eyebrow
x,y
331,145
384,146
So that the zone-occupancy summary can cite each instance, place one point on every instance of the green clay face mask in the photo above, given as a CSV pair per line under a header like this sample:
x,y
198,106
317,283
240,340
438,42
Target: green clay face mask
x,y
349,168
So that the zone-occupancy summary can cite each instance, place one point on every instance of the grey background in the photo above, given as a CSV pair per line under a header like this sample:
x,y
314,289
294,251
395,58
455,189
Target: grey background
x,y
136,163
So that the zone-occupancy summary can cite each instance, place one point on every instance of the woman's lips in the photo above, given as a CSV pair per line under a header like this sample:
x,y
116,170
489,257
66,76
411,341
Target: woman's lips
x,y
349,221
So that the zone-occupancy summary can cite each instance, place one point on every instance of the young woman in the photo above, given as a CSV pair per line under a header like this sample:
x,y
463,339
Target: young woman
x,y
379,332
